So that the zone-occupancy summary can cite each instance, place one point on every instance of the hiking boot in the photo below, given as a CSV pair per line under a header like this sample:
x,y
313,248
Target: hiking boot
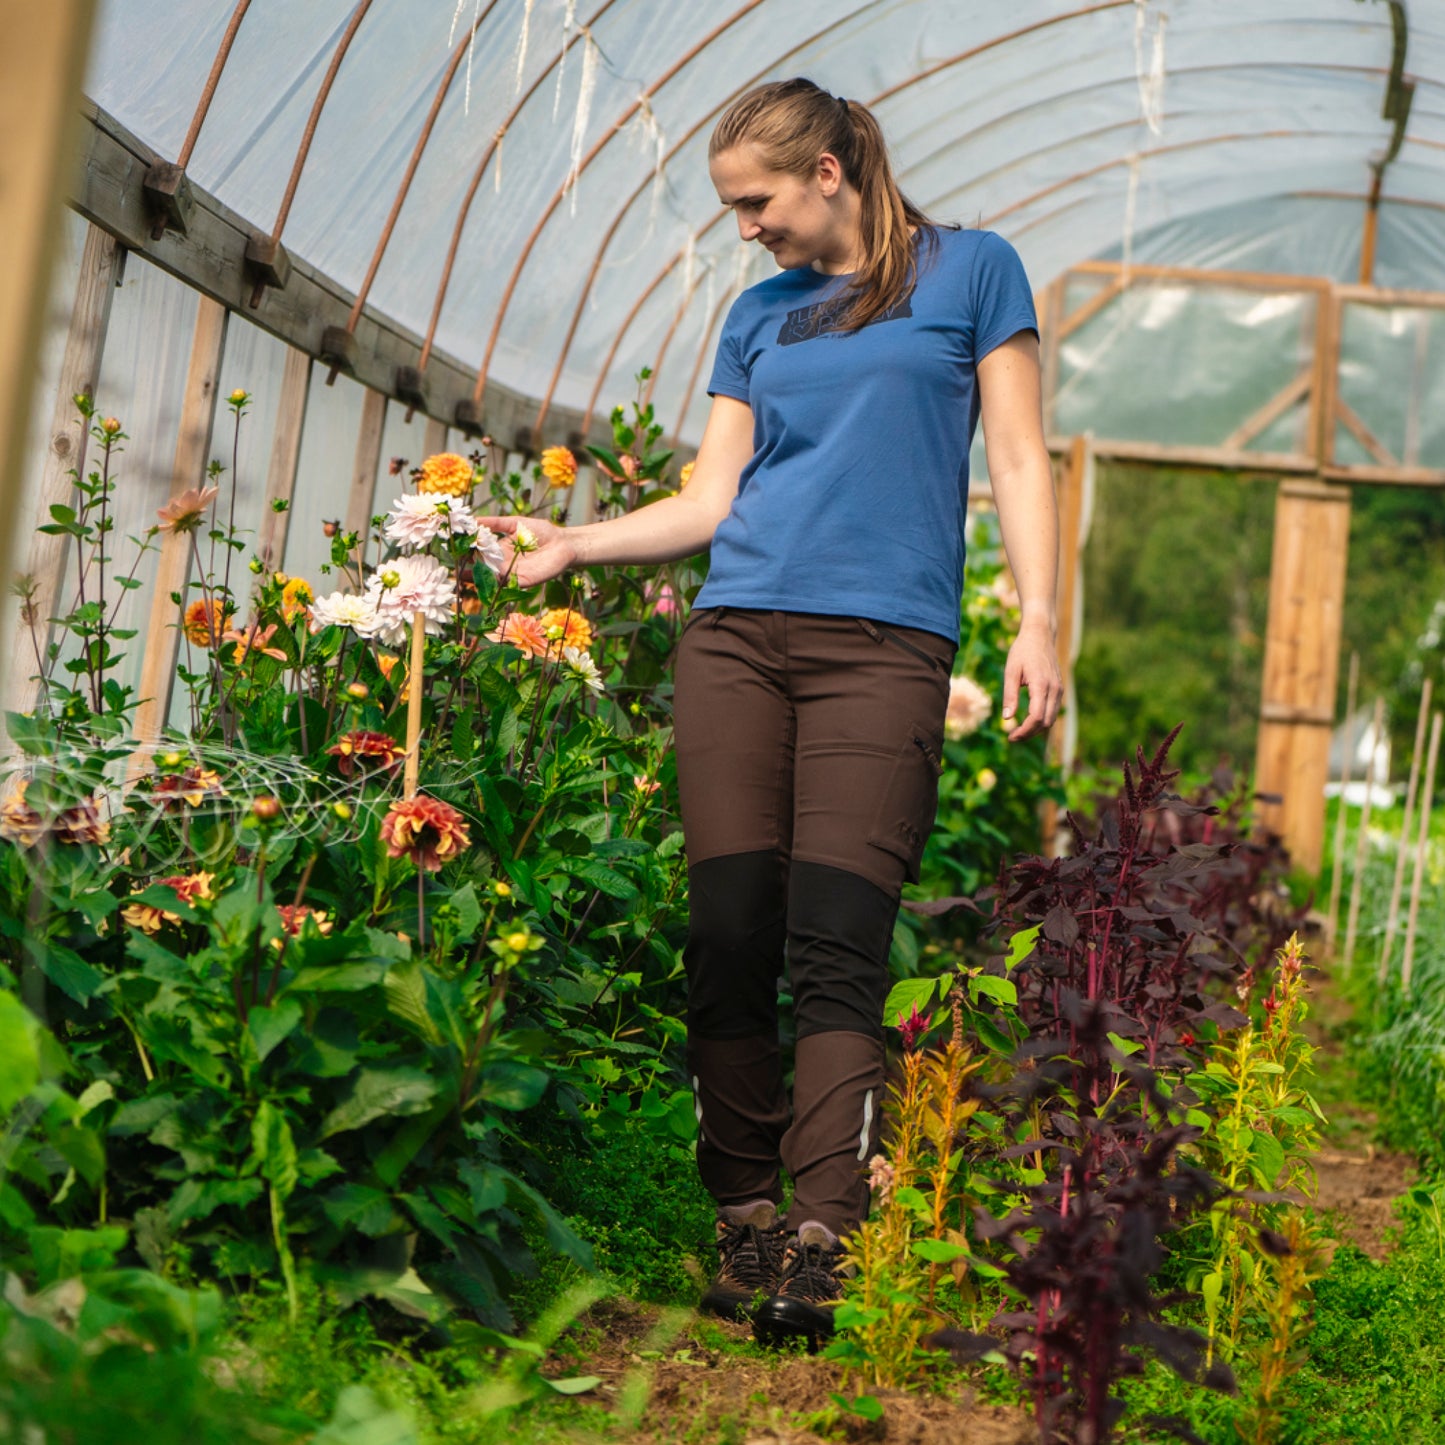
x,y
750,1240
810,1287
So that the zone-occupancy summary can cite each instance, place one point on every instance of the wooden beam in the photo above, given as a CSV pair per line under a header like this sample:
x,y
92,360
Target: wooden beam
x,y
363,471
193,453
1301,662
42,59
211,258
1050,319
1349,418
1396,476
46,557
1386,296
1271,411
1242,280
1218,459
1106,293
285,454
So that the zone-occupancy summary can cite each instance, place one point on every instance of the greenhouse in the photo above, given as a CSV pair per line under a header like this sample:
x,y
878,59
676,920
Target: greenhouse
x,y
432,743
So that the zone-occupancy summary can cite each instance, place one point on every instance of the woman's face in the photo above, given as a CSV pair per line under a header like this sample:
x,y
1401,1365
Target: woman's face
x,y
802,220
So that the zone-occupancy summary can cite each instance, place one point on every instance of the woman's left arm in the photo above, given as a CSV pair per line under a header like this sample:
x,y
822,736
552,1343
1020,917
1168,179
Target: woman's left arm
x,y
1023,492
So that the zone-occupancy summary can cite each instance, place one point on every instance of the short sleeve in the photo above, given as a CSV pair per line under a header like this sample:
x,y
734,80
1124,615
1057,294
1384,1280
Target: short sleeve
x,y
1001,298
729,374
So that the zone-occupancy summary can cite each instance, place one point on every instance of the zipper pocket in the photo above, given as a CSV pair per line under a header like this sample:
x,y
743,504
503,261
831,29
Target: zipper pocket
x,y
878,634
934,761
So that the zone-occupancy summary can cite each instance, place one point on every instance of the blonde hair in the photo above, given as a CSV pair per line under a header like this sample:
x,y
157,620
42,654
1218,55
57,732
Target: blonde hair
x,y
792,122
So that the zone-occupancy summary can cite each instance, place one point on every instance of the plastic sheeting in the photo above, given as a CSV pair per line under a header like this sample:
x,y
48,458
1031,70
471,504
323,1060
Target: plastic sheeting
x,y
1205,132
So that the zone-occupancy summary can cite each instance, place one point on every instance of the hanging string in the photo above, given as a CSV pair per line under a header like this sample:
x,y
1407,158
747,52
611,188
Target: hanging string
x,y
590,56
522,43
497,173
569,22
471,46
650,130
1150,78
689,262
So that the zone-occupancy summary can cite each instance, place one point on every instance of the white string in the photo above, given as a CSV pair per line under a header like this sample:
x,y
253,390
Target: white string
x,y
583,114
1151,79
522,42
497,172
471,46
456,15
689,262
649,131
569,21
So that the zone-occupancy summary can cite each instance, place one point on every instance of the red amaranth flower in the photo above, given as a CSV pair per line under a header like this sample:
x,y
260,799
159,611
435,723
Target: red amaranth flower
x,y
425,830
370,751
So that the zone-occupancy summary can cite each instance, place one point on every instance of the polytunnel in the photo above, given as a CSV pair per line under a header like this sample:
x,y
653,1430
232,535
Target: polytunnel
x,y
397,223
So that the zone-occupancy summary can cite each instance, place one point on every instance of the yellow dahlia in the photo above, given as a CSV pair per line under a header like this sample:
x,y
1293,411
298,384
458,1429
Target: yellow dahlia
x,y
192,786
187,887
425,830
205,621
445,472
296,598
523,631
294,916
366,749
19,822
559,466
565,627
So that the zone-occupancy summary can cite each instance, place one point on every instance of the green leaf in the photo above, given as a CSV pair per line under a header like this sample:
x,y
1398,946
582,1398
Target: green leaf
x,y
1000,990
577,1385
200,1198
19,1052
913,1200
376,1092
1267,1154
469,911
274,1148
364,1208
905,996
1021,945
1125,1046
339,978
512,1085
939,1251
269,1026
69,972
361,1419
405,988
866,1407
670,845
601,877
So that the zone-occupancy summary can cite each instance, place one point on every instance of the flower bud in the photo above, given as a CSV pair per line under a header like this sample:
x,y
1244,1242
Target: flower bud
x,y
358,690
255,565
266,808
331,528
110,425
341,811
501,889
391,578
280,578
517,941
239,397
987,779
171,760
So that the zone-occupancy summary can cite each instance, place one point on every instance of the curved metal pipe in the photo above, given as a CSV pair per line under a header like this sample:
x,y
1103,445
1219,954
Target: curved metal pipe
x,y
208,91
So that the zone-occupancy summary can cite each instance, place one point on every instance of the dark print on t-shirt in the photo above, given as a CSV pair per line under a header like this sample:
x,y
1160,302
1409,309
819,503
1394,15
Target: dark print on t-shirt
x,y
822,317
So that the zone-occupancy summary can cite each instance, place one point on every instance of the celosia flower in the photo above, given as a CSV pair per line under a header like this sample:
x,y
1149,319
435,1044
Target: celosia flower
x,y
685,475
523,631
968,707
489,549
192,787
367,750
565,628
187,888
581,668
294,916
559,466
406,585
880,1176
19,822
415,521
205,621
344,609
912,1028
183,513
296,596
254,639
425,830
447,473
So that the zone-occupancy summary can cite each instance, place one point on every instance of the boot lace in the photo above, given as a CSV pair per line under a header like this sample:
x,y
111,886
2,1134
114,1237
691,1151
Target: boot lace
x,y
810,1272
750,1255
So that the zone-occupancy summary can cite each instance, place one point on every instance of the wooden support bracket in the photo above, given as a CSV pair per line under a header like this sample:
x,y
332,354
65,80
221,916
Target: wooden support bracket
x,y
268,262
168,191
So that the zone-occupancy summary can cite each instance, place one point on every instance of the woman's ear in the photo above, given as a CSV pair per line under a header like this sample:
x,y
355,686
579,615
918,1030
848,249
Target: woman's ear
x,y
829,174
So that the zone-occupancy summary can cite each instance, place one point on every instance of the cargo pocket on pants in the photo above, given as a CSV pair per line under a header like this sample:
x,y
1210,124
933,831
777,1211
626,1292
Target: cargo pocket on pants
x,y
910,800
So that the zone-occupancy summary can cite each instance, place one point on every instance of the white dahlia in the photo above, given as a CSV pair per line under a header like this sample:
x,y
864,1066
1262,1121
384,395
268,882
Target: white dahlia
x,y
581,668
406,585
415,520
488,547
344,609
968,708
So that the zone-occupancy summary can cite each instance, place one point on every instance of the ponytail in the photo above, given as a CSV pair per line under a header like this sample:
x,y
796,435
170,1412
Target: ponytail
x,y
793,122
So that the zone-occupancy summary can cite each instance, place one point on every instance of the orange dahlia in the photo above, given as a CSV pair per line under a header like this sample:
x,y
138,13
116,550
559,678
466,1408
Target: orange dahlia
x,y
559,466
565,627
193,786
205,621
294,916
425,830
19,822
446,472
296,599
254,639
187,887
367,750
522,630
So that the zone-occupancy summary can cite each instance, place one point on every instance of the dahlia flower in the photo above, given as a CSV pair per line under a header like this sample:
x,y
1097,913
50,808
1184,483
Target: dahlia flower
x,y
488,547
968,707
187,887
368,750
296,597
192,786
184,511
565,627
559,466
522,631
344,609
294,916
205,621
22,824
406,585
685,475
581,668
414,521
254,639
447,473
425,830
19,822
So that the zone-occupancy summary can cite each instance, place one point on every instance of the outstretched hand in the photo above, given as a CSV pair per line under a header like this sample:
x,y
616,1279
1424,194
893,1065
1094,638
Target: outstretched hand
x,y
552,555
1032,663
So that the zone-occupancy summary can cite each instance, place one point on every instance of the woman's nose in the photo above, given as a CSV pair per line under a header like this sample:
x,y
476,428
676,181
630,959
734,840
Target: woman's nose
x,y
748,230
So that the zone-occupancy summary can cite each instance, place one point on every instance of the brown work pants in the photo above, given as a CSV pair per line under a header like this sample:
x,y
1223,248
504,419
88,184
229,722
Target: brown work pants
x,y
808,751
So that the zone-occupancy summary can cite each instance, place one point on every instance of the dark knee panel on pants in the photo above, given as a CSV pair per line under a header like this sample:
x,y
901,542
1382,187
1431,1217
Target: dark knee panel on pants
x,y
840,927
737,931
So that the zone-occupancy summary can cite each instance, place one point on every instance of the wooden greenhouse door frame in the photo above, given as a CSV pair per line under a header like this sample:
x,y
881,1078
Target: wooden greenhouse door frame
x,y
42,61
46,556
285,455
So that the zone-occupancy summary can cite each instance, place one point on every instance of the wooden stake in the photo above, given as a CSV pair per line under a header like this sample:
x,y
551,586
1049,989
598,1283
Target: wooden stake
x,y
1362,838
285,453
1403,851
413,705
434,437
1337,873
363,473
1421,846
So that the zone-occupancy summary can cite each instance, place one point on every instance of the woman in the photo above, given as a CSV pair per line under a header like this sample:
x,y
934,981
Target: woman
x,y
813,673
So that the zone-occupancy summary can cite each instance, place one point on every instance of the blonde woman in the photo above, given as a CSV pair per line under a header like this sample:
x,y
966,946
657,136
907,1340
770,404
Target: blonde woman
x,y
813,673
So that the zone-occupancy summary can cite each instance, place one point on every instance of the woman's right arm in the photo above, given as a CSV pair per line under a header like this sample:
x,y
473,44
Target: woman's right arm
x,y
659,532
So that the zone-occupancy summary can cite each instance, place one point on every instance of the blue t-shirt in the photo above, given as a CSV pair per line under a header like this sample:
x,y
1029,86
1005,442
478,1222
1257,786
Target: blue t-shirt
x,y
854,500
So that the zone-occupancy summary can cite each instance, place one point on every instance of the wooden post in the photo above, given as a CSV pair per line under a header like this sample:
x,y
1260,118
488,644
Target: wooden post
x,y
434,438
48,556
1301,661
1337,871
413,705
1362,838
285,453
193,452
363,472
1422,846
42,60
1392,919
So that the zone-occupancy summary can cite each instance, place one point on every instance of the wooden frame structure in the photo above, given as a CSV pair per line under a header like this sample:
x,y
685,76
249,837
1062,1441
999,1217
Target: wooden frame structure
x,y
1312,510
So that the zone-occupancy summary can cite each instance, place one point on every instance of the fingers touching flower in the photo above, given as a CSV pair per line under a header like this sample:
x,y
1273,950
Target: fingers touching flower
x,y
415,521
559,466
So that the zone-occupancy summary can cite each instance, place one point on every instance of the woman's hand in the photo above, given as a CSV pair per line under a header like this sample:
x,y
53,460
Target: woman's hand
x,y
1033,662
553,554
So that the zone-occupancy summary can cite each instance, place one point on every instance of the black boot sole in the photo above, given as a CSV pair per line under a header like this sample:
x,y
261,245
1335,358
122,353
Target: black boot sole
x,y
781,1319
